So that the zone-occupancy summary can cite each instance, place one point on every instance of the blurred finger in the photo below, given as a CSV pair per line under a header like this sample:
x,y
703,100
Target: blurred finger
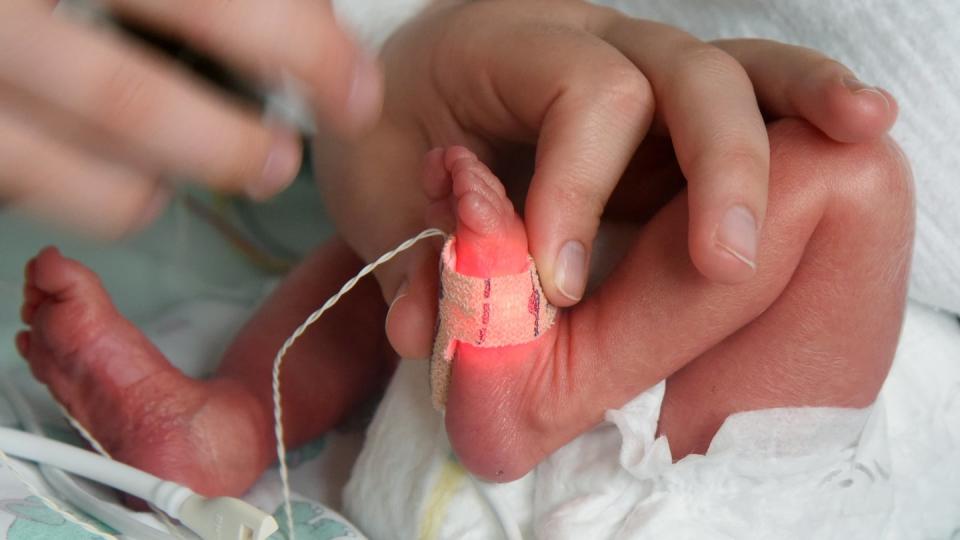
x,y
155,113
44,177
804,83
265,38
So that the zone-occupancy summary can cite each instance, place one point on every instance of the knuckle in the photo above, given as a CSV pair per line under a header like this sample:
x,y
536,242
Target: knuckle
x,y
698,65
625,89
696,57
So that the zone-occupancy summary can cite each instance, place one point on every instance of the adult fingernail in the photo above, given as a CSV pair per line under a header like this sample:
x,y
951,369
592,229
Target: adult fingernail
x,y
401,292
364,100
737,235
281,167
856,86
570,271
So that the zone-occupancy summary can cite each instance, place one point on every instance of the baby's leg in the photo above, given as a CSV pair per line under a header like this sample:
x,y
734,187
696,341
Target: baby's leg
x,y
339,362
830,336
215,436
816,326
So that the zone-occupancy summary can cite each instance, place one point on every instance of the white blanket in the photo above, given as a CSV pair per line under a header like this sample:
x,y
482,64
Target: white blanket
x,y
891,471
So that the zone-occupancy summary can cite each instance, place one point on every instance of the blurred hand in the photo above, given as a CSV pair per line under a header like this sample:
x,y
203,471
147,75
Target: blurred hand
x,y
91,123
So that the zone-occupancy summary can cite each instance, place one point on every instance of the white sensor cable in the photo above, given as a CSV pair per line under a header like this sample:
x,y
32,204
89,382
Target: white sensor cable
x,y
212,519
111,514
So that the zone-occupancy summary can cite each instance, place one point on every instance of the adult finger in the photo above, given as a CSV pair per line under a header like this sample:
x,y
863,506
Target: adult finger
x,y
154,113
591,107
55,181
706,100
299,38
800,82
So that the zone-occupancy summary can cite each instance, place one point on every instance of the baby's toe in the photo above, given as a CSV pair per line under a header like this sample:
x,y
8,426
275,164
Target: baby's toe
x,y
465,163
491,239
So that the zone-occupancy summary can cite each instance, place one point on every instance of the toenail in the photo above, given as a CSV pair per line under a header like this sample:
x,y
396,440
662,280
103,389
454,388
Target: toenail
x,y
737,235
570,272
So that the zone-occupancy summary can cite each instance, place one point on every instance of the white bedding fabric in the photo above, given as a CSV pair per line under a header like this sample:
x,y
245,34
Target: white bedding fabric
x,y
889,472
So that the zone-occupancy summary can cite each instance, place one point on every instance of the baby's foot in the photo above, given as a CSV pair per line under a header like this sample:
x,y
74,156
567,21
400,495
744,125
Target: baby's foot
x,y
502,415
212,436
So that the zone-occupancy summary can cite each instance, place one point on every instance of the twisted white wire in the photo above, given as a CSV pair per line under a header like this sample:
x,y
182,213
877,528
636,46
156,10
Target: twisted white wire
x,y
278,361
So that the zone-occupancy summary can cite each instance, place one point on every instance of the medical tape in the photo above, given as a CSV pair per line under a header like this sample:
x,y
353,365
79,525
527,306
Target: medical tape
x,y
483,312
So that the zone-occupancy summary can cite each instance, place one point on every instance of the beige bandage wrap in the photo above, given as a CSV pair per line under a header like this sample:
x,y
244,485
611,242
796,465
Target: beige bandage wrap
x,y
484,312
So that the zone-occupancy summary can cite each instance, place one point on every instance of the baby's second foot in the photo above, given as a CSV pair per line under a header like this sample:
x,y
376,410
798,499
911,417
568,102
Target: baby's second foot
x,y
211,436
503,413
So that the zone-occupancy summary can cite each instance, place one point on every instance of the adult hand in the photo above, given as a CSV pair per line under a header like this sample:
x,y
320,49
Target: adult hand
x,y
585,85
90,123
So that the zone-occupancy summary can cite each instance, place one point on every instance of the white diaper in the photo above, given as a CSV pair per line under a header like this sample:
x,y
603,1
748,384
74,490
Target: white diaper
x,y
778,473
